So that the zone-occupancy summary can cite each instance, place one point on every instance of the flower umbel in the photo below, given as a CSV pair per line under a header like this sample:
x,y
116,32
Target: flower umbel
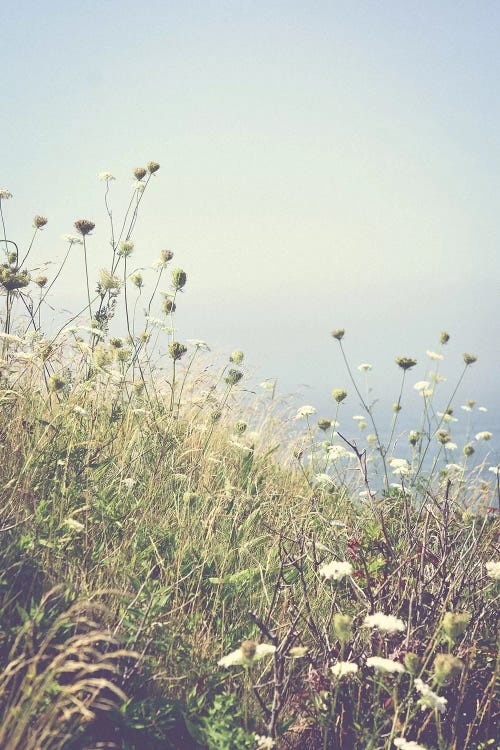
x,y
387,623
336,570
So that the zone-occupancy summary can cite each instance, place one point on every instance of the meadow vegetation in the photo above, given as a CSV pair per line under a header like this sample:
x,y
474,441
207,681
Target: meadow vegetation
x,y
179,568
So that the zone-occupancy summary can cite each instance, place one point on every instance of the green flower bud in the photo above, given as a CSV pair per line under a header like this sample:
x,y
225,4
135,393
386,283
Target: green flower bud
x,y
116,343
179,278
446,667
12,257
236,357
414,437
240,427
169,305
339,394
137,280
412,663
123,355
469,359
455,623
233,377
324,424
444,337
468,450
126,249
396,407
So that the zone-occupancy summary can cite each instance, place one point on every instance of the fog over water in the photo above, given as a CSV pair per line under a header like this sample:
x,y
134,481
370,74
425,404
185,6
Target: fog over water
x,y
323,165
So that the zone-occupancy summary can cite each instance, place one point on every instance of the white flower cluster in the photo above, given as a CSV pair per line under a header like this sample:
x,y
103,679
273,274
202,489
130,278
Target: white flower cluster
x,y
387,623
264,743
344,668
305,411
336,570
493,569
238,657
400,466
429,698
384,665
407,744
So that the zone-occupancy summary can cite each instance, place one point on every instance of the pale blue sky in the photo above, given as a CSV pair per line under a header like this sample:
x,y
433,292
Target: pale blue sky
x,y
324,164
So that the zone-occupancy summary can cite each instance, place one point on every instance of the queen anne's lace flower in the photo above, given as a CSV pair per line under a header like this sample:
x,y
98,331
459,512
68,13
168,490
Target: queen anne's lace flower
x,y
336,570
429,698
407,744
343,668
384,665
433,355
5,194
246,654
264,743
387,623
493,569
484,435
364,367
105,176
305,411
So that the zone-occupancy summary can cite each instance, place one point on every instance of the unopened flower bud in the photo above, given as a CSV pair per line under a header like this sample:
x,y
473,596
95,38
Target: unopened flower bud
x,y
414,437
153,167
339,394
455,623
116,343
179,278
137,280
109,281
12,257
236,357
176,350
125,249
324,424
338,334
396,407
468,450
240,427
444,337
412,663
233,377
469,359
41,281
39,221
169,305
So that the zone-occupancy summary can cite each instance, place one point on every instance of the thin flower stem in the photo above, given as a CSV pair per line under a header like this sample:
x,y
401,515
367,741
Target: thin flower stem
x,y
29,248
87,277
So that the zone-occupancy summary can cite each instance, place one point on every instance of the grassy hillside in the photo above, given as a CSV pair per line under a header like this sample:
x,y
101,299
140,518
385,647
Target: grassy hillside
x,y
180,570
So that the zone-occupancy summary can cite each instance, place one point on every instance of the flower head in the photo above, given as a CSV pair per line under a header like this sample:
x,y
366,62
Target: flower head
x,y
444,337
343,669
387,623
422,385
179,278
339,394
139,173
406,362
484,435
5,194
84,226
469,359
108,280
125,249
446,666
176,350
72,239
493,569
153,167
305,411
364,367
199,344
429,698
433,355
384,665
105,176
39,221
264,743
338,334
336,570
342,625
248,653
138,186
407,744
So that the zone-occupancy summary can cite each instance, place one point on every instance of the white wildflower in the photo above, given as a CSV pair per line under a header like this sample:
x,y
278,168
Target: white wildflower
x,y
128,482
482,408
484,435
387,623
72,239
495,470
400,466
421,385
139,186
433,355
384,665
429,698
338,451
336,570
199,344
466,407
343,668
305,411
359,418
364,367
407,744
264,743
5,194
9,338
371,439
450,446
247,654
73,524
437,378
493,569
323,480
446,417
79,410
105,176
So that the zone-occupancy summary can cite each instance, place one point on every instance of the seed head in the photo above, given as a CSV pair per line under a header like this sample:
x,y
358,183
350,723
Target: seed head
x,y
41,281
39,221
468,450
176,350
137,280
446,667
443,436
166,256
116,343
123,354
406,362
139,173
233,377
169,305
102,357
324,424
109,281
236,357
469,359
145,336
455,623
338,333
414,437
5,194
444,337
153,167
11,280
56,383
342,626
125,249
84,226
240,427
179,278
339,394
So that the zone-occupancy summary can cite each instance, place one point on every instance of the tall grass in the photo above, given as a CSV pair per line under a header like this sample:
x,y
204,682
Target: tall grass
x,y
179,570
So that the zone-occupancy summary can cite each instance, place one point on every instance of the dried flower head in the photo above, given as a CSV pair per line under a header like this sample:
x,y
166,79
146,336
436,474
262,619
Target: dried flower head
x,y
384,665
84,226
153,167
179,278
56,383
324,424
5,194
469,359
339,394
406,363
39,221
444,337
137,280
233,377
176,350
237,357
40,281
240,427
126,249
338,333
443,436
139,173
